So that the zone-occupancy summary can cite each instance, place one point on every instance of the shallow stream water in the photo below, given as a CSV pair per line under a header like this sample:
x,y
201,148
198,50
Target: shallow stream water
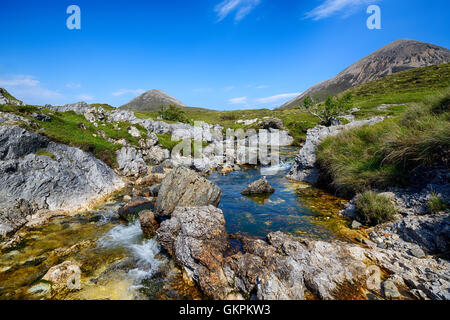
x,y
118,262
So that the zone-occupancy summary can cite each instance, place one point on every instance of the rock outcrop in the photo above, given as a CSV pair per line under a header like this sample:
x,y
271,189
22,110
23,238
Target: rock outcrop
x,y
6,98
304,168
42,174
185,188
197,240
284,267
260,186
131,162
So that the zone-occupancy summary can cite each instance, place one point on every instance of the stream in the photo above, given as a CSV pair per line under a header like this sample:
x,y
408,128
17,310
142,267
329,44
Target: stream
x,y
118,262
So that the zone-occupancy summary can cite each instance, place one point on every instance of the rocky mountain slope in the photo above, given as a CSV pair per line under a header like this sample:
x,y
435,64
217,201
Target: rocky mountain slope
x,y
151,100
6,98
397,56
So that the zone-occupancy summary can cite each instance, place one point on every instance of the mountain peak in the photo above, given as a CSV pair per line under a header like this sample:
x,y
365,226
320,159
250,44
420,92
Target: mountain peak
x,y
151,100
400,55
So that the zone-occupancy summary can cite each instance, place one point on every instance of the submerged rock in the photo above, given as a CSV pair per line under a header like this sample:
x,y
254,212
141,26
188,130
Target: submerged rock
x,y
185,188
66,275
260,186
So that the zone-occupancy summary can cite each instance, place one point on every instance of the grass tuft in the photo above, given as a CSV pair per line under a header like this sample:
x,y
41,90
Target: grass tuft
x,y
373,209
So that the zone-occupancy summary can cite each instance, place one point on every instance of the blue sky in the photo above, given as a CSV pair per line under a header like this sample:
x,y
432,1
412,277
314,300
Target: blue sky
x,y
219,54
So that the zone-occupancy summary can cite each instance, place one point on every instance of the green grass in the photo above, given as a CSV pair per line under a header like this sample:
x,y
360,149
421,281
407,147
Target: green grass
x,y
105,106
45,153
382,155
373,209
165,140
437,204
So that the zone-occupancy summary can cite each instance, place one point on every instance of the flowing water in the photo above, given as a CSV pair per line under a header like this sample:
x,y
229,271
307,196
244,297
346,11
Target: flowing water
x,y
118,262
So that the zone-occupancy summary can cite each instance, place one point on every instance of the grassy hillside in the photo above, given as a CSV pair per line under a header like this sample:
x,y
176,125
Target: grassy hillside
x,y
74,130
384,154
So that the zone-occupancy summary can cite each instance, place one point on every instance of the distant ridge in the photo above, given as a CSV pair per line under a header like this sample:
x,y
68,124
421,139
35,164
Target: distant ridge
x,y
150,101
397,56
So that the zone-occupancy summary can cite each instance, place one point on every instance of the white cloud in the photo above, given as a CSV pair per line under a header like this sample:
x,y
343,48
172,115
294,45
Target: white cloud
x,y
278,97
85,97
128,91
241,8
73,85
331,7
19,80
263,86
29,89
239,100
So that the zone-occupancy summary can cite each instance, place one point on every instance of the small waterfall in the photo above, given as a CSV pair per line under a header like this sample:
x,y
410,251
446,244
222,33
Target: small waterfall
x,y
143,251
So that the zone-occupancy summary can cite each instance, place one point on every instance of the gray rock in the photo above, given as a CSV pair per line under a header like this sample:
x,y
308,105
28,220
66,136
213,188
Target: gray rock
x,y
41,117
158,169
417,252
390,290
156,155
356,224
68,180
185,188
130,162
134,132
260,186
78,108
430,232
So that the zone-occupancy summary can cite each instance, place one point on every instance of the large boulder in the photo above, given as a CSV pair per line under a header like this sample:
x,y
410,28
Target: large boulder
x,y
185,188
260,186
57,178
197,240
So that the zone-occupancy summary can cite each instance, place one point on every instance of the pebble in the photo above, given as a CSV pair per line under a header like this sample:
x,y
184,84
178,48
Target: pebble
x,y
390,290
417,252
356,224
